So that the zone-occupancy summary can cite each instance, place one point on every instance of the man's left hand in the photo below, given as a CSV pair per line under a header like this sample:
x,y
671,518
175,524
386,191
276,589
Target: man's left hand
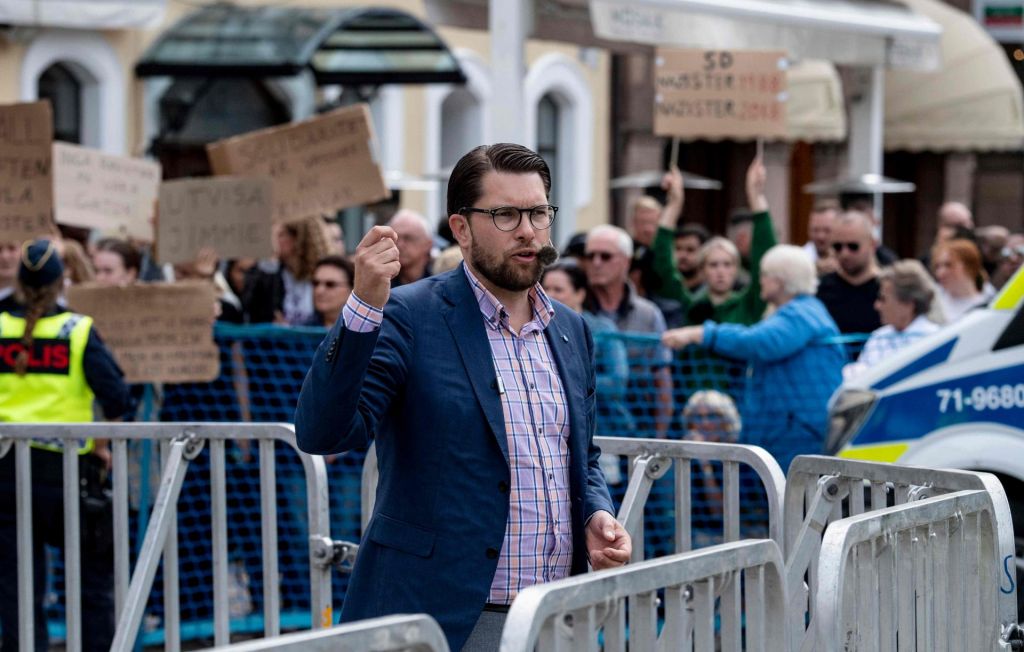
x,y
608,543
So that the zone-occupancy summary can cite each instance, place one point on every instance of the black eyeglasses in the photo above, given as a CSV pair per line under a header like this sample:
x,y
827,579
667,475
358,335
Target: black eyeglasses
x,y
603,256
854,247
508,218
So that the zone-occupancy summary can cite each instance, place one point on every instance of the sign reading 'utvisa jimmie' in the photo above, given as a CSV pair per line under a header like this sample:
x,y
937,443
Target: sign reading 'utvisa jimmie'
x,y
232,214
720,93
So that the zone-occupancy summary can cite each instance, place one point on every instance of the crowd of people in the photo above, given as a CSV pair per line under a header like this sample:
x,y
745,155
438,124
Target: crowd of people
x,y
660,286
660,276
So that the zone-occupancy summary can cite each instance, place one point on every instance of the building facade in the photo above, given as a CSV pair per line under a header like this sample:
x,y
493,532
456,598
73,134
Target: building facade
x,y
88,72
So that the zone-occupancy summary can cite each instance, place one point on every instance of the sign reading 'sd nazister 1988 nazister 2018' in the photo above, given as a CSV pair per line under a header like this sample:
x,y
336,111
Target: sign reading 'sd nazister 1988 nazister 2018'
x,y
720,93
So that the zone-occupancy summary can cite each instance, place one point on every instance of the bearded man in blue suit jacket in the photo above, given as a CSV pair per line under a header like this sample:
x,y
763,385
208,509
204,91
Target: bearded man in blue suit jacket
x,y
479,393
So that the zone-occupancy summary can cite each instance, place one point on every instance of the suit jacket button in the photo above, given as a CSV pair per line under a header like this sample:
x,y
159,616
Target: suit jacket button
x,y
503,487
492,553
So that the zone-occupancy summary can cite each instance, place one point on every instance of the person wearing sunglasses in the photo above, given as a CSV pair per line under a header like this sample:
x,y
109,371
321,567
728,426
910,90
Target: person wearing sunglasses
x,y
850,292
332,285
1010,260
609,252
478,392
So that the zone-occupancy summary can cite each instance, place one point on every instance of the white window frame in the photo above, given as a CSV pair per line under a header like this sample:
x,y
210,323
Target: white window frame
x,y
564,79
478,83
99,71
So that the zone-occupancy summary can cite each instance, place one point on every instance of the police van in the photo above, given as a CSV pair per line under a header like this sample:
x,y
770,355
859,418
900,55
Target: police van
x,y
953,399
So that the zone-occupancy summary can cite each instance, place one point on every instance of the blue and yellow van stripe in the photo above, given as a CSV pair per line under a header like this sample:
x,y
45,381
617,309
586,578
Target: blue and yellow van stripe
x,y
888,452
1009,298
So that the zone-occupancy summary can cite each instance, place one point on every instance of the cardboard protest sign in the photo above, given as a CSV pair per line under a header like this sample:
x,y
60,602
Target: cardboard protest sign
x,y
720,93
318,166
158,332
26,181
115,194
231,214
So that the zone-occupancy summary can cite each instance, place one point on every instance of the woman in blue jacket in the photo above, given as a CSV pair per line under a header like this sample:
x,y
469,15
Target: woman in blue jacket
x,y
793,368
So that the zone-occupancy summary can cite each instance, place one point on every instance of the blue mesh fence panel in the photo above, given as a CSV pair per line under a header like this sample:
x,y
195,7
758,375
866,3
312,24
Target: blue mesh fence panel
x,y
706,397
262,368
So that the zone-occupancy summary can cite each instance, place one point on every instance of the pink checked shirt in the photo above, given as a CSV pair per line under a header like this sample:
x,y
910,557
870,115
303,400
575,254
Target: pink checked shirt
x,y
538,536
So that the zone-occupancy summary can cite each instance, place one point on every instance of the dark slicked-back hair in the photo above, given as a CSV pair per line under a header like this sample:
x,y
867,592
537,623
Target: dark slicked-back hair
x,y
464,186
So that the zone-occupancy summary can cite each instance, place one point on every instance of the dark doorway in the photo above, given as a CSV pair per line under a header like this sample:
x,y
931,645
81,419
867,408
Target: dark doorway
x,y
194,112
61,86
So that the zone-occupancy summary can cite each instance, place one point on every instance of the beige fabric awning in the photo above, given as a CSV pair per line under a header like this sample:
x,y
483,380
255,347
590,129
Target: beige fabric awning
x,y
815,110
974,102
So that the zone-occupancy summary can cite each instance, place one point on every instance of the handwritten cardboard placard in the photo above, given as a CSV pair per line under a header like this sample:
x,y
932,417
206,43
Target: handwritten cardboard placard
x,y
230,214
158,332
318,166
26,181
720,93
115,194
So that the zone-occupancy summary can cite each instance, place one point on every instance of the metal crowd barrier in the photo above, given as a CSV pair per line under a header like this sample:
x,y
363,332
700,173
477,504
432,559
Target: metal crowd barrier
x,y
820,491
920,576
416,633
180,443
572,613
650,459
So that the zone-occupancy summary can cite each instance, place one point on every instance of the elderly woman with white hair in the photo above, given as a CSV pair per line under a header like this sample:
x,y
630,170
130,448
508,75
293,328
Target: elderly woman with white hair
x,y
793,367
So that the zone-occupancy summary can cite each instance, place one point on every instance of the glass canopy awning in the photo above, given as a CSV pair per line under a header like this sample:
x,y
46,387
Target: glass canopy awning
x,y
361,46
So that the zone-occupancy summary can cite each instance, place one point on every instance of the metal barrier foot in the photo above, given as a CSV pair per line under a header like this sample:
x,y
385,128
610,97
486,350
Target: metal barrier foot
x,y
1012,637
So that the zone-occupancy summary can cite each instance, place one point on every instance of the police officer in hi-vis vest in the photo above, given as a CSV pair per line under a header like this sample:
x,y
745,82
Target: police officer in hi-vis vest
x,y
53,368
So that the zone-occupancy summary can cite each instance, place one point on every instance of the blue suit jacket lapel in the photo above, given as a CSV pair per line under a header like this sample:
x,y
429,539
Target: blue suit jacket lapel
x,y
565,352
467,327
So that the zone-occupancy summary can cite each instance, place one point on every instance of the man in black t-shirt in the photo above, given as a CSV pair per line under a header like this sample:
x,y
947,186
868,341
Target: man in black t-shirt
x,y
849,293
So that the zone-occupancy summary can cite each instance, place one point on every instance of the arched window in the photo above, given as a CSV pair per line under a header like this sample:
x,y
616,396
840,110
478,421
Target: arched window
x,y
197,111
560,120
461,131
548,139
455,120
83,77
64,90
